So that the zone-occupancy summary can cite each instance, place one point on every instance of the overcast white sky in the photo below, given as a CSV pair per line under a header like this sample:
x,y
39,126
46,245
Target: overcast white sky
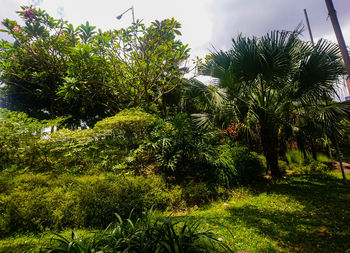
x,y
204,22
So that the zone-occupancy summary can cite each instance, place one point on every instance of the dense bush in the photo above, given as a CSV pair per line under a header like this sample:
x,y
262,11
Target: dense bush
x,y
108,144
19,137
239,166
40,202
200,193
187,153
183,151
98,201
130,140
38,209
310,168
26,143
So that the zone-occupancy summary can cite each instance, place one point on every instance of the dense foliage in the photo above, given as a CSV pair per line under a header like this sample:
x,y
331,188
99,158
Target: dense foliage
x,y
184,150
104,122
38,202
54,69
239,166
27,143
132,140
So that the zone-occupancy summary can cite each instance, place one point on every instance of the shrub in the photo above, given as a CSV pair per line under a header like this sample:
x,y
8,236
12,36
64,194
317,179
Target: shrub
x,y
19,135
38,209
129,124
298,164
197,194
68,149
200,193
4,186
25,143
237,165
39,202
110,143
297,157
99,201
182,150
311,168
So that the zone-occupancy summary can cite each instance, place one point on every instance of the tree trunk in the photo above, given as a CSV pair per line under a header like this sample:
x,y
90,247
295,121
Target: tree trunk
x,y
283,150
164,107
301,146
52,113
313,150
269,141
340,159
329,151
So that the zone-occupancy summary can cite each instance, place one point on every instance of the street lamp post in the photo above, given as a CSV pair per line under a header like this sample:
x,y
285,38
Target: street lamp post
x,y
132,11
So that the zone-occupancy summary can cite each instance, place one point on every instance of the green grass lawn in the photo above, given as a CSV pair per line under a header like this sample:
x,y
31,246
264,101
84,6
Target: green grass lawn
x,y
32,242
307,213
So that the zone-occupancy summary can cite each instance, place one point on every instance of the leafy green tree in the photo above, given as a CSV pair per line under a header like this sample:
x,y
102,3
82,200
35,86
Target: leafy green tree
x,y
53,69
267,77
32,67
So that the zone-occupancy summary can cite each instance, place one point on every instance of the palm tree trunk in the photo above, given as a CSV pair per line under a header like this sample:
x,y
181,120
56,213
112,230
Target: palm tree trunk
x,y
328,146
283,150
329,151
301,146
313,150
269,141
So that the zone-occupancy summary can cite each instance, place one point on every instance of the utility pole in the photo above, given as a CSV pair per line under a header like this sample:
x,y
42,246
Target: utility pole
x,y
341,42
308,27
338,33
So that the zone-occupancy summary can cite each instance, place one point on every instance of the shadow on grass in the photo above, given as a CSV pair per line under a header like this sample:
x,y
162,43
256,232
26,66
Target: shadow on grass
x,y
320,224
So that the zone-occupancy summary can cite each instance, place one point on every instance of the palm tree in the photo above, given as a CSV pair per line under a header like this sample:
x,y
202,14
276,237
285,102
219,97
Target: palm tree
x,y
268,77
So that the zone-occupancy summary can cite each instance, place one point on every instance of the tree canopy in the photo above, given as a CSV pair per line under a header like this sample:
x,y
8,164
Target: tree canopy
x,y
54,69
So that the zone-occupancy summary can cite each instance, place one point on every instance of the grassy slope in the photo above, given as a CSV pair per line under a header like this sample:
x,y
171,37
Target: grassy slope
x,y
302,214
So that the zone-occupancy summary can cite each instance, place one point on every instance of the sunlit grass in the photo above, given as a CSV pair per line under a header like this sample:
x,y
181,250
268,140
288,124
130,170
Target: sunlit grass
x,y
32,242
323,158
302,214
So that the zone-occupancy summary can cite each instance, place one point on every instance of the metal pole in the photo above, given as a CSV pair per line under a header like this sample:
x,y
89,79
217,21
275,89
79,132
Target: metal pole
x,y
133,15
338,33
308,27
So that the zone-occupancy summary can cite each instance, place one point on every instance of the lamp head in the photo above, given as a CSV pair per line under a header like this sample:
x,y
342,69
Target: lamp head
x,y
119,17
